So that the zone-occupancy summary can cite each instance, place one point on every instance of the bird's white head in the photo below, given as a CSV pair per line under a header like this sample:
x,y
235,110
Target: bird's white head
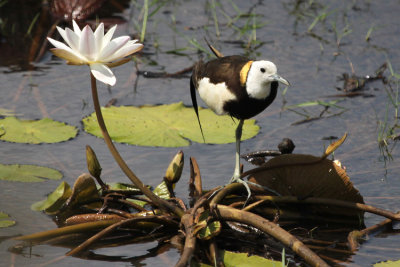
x,y
259,78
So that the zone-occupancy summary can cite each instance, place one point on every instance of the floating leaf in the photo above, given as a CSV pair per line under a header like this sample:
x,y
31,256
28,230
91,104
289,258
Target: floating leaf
x,y
387,264
55,200
306,176
167,125
233,259
4,222
28,173
36,131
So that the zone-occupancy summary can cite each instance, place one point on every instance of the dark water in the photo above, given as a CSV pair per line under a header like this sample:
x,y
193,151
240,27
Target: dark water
x,y
311,63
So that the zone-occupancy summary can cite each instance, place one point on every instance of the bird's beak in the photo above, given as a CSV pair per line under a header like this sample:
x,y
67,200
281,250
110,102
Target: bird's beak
x,y
278,78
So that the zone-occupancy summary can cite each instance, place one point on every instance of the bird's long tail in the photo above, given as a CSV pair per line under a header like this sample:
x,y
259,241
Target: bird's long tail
x,y
196,108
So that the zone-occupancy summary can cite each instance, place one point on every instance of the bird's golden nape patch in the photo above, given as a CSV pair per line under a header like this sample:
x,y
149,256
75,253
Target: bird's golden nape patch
x,y
244,71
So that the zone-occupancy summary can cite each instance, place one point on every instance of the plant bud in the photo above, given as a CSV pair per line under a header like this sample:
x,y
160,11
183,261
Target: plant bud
x,y
93,164
174,170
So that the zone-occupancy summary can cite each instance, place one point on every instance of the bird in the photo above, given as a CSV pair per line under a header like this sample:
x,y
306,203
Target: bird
x,y
237,86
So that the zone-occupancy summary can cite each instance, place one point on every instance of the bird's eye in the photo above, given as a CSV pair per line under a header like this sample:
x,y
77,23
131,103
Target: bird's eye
x,y
262,70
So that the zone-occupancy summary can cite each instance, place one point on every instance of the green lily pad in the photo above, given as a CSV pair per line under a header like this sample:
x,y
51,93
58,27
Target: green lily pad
x,y
4,220
387,264
170,125
35,131
233,259
28,173
55,200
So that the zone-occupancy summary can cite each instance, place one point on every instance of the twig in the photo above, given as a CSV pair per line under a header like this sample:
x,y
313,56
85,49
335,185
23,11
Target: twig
x,y
85,245
78,228
321,248
215,258
231,214
335,202
131,204
154,75
355,236
224,192
187,221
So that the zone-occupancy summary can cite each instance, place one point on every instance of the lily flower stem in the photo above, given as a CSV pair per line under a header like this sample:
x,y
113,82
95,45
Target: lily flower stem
x,y
161,203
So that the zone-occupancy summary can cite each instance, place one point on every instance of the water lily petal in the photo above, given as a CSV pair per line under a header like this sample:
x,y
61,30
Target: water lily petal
x,y
98,38
76,28
113,46
118,62
103,73
72,39
86,44
58,44
68,55
124,51
63,34
108,36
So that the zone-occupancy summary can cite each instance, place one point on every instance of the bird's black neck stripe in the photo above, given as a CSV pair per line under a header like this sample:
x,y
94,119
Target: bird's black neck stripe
x,y
247,107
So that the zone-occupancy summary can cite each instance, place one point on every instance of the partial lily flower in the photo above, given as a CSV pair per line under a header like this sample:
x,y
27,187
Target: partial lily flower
x,y
96,49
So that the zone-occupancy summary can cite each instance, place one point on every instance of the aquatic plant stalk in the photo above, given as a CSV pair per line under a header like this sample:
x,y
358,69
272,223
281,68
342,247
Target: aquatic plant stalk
x,y
162,204
145,17
110,229
333,202
77,228
232,214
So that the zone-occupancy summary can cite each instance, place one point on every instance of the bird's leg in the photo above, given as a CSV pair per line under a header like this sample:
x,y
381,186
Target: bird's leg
x,y
236,174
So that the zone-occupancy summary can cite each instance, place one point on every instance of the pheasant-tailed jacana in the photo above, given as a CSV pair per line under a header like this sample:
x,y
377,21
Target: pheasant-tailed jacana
x,y
236,86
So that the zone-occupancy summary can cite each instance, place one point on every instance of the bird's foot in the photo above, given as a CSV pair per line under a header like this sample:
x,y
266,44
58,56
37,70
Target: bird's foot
x,y
237,179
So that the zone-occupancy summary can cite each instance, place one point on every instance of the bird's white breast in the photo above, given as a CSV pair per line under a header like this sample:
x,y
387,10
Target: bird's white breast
x,y
214,95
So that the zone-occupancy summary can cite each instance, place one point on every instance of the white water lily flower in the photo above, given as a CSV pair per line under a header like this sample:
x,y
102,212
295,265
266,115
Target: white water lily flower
x,y
85,47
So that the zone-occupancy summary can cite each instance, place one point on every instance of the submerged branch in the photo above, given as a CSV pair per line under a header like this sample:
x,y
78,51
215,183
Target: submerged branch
x,y
355,236
190,240
228,189
85,245
334,202
78,228
232,214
